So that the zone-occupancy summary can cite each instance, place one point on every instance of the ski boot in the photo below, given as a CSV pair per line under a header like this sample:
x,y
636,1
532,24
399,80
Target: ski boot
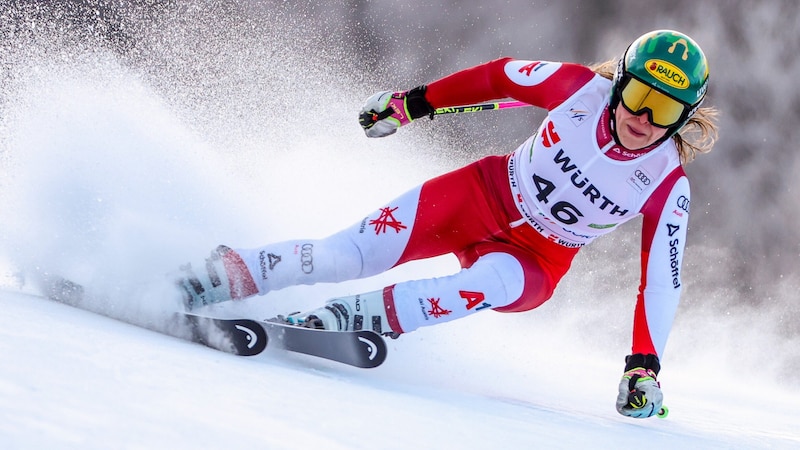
x,y
223,277
348,314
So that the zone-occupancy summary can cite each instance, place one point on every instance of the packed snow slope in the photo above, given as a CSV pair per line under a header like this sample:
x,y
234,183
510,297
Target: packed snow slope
x,y
72,379
210,130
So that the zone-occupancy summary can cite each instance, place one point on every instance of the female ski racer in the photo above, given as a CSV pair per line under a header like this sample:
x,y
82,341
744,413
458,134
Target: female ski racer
x,y
608,151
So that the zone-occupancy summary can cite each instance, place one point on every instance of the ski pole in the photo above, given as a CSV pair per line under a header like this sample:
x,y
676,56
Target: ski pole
x,y
480,107
366,119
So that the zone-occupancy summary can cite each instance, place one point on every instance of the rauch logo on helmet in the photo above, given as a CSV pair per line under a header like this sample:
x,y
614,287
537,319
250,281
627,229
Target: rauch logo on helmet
x,y
668,73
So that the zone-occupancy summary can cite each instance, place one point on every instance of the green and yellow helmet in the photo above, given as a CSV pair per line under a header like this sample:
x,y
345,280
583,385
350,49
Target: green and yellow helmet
x,y
663,73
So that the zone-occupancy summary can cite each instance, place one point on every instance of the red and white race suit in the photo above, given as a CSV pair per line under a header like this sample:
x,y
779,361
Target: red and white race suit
x,y
515,222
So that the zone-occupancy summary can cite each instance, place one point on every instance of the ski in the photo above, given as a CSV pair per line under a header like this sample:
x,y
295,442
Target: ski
x,y
365,349
240,336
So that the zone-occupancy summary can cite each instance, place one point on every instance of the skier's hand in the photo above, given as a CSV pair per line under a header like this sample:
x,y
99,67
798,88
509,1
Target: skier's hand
x,y
385,112
639,392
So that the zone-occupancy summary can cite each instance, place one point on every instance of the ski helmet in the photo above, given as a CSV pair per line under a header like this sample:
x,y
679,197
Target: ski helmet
x,y
665,74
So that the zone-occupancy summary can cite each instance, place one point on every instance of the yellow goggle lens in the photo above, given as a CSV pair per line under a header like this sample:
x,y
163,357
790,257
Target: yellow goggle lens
x,y
664,110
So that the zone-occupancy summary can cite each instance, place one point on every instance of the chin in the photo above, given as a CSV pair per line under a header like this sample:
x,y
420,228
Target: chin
x,y
634,147
639,147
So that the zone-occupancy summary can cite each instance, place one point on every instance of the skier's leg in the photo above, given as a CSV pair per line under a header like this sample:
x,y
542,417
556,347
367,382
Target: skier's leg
x,y
443,215
368,247
502,276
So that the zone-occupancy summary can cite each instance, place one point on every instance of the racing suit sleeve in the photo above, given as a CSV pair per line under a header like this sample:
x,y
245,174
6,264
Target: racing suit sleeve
x,y
540,83
666,216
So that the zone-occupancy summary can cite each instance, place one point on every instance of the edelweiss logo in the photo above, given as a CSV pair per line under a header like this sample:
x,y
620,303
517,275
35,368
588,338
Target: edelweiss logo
x,y
387,220
437,311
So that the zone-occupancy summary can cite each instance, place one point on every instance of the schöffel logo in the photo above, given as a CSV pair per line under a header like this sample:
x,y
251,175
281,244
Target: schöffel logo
x,y
668,73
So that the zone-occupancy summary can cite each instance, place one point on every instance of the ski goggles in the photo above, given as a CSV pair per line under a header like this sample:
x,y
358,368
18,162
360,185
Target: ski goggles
x,y
663,111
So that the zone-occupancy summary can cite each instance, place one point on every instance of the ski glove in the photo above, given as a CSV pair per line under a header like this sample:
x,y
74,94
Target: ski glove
x,y
639,392
385,112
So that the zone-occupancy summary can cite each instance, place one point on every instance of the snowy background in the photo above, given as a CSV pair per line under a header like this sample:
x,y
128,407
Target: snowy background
x,y
135,138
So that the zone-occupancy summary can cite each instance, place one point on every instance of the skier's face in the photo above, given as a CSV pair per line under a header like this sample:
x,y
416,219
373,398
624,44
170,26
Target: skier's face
x,y
636,131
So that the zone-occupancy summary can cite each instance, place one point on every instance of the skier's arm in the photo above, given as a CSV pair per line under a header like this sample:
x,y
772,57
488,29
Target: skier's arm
x,y
666,216
540,83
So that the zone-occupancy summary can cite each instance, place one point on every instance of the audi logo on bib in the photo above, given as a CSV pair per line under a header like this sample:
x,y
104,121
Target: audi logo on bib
x,y
642,177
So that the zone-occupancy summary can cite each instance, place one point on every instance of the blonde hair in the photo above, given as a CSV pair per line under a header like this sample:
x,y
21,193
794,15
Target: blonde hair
x,y
698,135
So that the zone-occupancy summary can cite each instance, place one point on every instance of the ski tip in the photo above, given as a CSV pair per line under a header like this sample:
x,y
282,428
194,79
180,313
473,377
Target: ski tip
x,y
243,337
249,339
374,348
663,412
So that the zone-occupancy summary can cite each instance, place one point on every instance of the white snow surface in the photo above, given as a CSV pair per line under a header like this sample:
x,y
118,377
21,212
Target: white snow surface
x,y
105,184
73,379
